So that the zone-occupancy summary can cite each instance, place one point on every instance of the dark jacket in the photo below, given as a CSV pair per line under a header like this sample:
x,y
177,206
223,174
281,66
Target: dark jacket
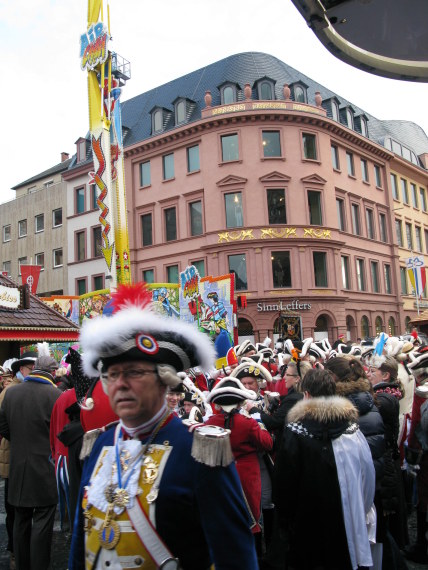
x,y
369,419
275,422
24,420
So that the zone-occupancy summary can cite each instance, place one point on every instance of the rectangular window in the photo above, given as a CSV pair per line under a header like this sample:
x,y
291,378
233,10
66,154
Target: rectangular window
x,y
195,211
309,146
426,240
404,191
39,223
234,215
146,230
378,176
409,236
399,232
364,170
7,232
276,206
149,275
168,166
229,148
97,243
340,207
22,228
320,268
422,197
361,284
394,187
80,246
414,194
21,261
81,286
57,257
388,282
79,200
335,157
355,211
375,279
350,163
281,271
238,266
314,204
57,217
172,273
97,282
271,144
170,226
418,239
39,259
403,279
145,174
193,159
370,224
345,272
93,191
200,266
7,267
382,226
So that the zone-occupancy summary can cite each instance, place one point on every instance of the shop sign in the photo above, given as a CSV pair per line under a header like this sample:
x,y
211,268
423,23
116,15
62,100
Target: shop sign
x,y
295,305
10,297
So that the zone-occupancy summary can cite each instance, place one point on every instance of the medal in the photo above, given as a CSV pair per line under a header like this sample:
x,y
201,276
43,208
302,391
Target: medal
x,y
152,496
109,533
121,498
150,470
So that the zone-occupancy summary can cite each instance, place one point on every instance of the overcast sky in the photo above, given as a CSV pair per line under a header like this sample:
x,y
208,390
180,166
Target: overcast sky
x,y
43,92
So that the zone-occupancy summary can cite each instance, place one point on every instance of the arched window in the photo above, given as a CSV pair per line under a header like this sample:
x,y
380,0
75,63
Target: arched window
x,y
299,94
228,95
245,330
365,328
391,326
158,121
407,324
378,325
349,118
321,327
350,327
266,91
335,111
180,112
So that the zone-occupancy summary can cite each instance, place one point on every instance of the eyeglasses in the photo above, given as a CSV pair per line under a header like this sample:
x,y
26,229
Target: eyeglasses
x,y
131,374
291,375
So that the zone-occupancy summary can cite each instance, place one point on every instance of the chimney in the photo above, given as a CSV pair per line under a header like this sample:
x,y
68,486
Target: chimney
x,y
64,156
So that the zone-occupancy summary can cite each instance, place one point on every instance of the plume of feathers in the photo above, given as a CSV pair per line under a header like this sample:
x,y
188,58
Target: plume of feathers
x,y
267,341
383,337
131,295
295,353
7,364
43,349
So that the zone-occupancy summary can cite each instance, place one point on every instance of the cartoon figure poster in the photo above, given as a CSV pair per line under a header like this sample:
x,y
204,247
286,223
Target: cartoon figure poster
x,y
207,301
92,304
66,306
165,299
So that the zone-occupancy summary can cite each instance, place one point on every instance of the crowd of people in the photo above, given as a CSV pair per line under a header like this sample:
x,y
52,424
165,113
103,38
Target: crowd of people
x,y
300,455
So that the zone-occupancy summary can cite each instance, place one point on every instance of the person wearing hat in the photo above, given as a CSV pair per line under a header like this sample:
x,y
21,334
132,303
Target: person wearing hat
x,y
148,481
248,438
22,367
24,420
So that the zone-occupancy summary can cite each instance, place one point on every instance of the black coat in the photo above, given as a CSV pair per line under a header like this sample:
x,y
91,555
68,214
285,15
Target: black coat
x,y
25,420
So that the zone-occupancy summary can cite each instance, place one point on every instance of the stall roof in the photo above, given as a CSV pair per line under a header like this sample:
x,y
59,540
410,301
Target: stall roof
x,y
37,323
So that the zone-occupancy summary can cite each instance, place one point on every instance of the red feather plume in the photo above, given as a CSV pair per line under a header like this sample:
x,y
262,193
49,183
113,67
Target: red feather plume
x,y
134,295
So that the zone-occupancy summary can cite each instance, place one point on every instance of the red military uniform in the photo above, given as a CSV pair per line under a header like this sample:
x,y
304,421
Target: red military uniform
x,y
100,414
247,438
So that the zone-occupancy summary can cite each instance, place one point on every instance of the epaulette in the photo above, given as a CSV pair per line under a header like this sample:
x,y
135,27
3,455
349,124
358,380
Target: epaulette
x,y
91,437
211,445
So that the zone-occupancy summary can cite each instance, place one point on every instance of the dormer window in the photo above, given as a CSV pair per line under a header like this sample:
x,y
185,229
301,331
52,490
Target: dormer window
x,y
335,111
266,89
364,128
349,118
180,111
157,121
299,94
81,149
228,93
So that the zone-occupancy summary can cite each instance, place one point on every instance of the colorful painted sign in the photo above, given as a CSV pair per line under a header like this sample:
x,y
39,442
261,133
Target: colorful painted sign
x,y
165,299
66,306
92,304
93,46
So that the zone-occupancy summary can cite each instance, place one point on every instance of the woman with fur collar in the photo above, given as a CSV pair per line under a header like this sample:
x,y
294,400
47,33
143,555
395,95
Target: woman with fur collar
x,y
322,437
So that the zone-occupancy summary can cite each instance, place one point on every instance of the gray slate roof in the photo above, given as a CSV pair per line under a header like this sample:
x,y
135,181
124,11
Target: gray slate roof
x,y
60,167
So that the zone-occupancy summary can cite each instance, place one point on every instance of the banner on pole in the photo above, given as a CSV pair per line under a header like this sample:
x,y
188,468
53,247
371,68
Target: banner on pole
x,y
30,276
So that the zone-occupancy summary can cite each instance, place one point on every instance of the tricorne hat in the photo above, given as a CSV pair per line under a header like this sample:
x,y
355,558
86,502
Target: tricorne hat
x,y
135,332
251,366
229,392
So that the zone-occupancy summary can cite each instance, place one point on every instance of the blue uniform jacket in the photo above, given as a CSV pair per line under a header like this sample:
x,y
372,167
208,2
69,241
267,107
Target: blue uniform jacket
x,y
200,510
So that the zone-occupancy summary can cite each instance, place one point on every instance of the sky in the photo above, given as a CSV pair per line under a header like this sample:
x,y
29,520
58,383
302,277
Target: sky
x,y
43,95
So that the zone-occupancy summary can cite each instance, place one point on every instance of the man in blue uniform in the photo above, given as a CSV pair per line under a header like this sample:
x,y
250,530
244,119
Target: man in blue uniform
x,y
152,496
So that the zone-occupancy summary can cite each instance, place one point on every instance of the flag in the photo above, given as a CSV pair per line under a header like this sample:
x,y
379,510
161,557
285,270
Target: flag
x,y
30,276
417,276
